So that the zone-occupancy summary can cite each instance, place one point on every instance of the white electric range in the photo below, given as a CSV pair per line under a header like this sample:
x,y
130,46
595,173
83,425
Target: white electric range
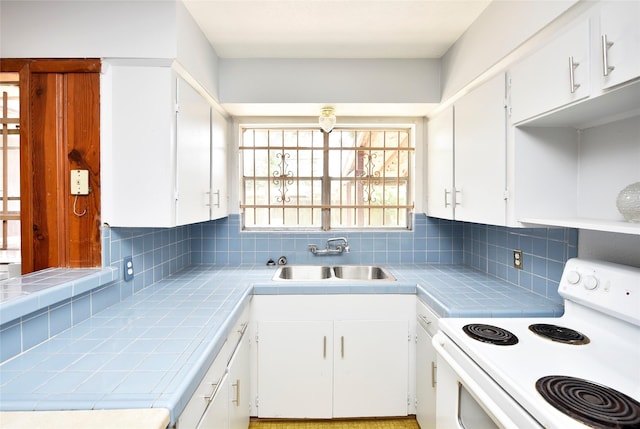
x,y
584,372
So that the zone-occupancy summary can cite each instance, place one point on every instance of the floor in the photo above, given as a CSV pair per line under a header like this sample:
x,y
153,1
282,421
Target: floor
x,y
400,423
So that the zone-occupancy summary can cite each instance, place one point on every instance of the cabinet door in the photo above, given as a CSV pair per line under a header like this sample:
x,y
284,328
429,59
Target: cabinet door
x,y
294,369
371,368
217,414
545,80
219,193
620,42
139,185
239,401
425,379
440,194
193,155
480,154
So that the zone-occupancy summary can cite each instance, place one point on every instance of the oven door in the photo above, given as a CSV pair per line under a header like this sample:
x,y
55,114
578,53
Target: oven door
x,y
467,398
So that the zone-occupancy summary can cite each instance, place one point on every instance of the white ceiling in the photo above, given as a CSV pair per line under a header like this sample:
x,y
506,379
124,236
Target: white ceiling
x,y
333,29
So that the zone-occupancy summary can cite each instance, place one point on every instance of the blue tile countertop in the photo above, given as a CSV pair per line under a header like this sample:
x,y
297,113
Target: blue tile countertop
x,y
22,295
152,349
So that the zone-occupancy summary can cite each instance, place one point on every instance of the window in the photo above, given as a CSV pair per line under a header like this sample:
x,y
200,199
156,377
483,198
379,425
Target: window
x,y
10,167
302,178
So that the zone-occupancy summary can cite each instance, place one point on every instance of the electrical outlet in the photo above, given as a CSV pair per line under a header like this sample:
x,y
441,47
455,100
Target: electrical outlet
x,y
517,259
128,268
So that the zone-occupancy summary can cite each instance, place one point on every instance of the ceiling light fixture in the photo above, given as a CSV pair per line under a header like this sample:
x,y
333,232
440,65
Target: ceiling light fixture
x,y
327,119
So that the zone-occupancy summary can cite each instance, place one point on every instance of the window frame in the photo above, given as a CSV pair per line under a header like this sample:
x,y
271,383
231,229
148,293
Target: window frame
x,y
370,124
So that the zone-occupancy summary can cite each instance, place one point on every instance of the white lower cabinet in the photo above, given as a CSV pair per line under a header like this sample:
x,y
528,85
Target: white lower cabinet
x,y
370,368
221,400
295,367
238,400
217,414
426,370
333,356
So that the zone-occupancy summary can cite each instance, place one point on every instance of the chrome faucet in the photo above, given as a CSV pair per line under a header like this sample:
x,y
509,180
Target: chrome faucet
x,y
337,249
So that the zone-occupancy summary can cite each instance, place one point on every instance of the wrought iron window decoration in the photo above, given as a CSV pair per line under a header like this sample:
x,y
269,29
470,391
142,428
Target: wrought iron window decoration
x,y
283,177
369,174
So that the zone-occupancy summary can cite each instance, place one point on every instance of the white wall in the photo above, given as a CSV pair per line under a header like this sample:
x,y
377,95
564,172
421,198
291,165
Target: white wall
x,y
93,29
128,30
195,53
329,80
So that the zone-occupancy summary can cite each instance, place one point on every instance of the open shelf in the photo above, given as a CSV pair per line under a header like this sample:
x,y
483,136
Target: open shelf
x,y
584,223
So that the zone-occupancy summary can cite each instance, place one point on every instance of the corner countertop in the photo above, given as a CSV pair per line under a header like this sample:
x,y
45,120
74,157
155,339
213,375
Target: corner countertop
x,y
151,349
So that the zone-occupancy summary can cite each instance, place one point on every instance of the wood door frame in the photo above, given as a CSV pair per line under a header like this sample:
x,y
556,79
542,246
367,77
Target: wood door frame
x,y
63,209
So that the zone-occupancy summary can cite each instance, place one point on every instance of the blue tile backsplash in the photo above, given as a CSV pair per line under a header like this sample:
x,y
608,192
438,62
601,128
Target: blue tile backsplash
x,y
486,248
160,252
432,240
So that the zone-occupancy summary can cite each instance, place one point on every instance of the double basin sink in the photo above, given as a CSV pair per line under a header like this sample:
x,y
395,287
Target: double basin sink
x,y
337,272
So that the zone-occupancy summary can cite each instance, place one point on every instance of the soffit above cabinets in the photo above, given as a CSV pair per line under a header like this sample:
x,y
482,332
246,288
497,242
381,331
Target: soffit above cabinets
x,y
333,28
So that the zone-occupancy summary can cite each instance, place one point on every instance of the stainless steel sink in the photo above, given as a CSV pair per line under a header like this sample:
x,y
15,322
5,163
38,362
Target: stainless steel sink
x,y
362,272
302,272
335,273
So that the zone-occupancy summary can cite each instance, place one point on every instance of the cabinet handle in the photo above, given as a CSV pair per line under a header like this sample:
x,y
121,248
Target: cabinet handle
x,y
217,194
572,81
214,388
457,197
433,374
342,347
424,319
243,328
324,347
446,199
237,386
606,68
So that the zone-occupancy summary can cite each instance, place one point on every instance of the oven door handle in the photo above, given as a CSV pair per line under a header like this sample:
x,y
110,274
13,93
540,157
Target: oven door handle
x,y
439,342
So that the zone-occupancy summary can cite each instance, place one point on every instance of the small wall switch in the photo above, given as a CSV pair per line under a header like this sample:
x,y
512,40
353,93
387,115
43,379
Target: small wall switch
x,y
517,259
128,268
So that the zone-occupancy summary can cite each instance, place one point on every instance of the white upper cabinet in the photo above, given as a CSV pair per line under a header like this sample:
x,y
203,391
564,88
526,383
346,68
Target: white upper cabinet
x,y
553,76
440,192
466,170
576,78
193,155
157,151
619,42
219,194
480,154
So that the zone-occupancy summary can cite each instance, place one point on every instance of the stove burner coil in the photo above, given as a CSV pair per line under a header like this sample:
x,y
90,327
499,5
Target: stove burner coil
x,y
490,334
595,405
559,334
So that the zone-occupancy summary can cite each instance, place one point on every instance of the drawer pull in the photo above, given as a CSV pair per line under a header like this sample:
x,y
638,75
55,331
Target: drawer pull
x,y
434,367
324,347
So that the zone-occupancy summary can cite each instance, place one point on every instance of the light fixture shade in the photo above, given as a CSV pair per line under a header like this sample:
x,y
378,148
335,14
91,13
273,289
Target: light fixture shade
x,y
327,119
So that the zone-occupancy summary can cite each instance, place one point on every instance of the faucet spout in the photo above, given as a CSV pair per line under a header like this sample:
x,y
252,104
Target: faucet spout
x,y
335,246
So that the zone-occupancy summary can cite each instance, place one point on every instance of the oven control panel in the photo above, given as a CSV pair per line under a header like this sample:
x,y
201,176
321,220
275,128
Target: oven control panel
x,y
611,288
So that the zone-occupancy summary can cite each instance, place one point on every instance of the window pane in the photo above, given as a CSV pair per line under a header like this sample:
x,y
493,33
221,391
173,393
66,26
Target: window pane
x,y
9,165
